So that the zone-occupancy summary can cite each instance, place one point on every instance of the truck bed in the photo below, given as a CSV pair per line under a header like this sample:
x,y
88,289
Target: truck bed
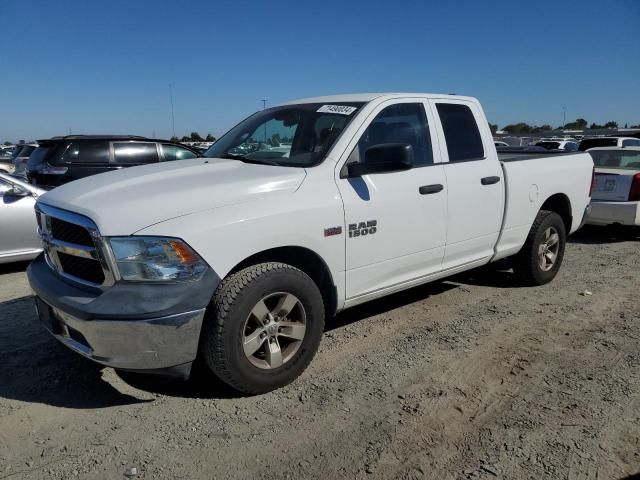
x,y
507,155
530,184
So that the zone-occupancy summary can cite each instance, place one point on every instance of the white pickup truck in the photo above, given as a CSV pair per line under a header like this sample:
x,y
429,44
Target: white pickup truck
x,y
298,212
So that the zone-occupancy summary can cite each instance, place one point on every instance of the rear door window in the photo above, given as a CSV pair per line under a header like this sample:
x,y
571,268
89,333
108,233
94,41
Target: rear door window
x,y
135,152
86,152
174,152
461,132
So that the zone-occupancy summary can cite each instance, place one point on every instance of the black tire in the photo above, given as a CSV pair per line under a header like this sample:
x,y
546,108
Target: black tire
x,y
225,322
526,264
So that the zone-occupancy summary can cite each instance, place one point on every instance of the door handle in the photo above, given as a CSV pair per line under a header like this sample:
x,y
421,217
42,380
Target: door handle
x,y
489,180
428,189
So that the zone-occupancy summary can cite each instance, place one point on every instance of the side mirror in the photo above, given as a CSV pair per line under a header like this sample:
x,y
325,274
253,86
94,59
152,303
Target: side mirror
x,y
383,158
17,191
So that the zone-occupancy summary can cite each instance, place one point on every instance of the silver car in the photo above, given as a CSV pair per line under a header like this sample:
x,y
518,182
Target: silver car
x,y
18,229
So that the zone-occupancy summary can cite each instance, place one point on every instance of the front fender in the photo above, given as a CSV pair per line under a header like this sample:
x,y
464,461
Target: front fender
x,y
226,236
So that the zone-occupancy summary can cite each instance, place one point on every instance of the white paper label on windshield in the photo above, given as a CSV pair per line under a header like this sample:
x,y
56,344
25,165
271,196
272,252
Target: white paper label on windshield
x,y
341,109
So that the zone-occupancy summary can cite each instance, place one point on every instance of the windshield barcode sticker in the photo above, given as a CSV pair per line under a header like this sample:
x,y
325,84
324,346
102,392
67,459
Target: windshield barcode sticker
x,y
341,109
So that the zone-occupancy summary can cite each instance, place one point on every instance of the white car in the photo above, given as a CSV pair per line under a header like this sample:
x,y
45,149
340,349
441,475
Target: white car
x,y
498,144
616,197
566,145
595,142
238,258
18,230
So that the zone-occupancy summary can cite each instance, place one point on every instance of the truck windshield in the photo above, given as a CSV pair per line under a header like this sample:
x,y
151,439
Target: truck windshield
x,y
291,135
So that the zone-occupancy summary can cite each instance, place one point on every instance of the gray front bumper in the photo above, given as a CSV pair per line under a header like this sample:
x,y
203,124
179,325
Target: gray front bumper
x,y
145,327
150,344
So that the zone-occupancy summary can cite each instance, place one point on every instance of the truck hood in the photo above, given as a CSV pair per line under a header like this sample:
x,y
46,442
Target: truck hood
x,y
124,201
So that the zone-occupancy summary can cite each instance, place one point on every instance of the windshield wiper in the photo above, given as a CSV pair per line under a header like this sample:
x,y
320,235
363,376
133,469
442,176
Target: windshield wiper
x,y
257,161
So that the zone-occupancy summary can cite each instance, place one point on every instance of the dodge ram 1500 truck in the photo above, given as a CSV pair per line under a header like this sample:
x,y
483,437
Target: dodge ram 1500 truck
x,y
298,212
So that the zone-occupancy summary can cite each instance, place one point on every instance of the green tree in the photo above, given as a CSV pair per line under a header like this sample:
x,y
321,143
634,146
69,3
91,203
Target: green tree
x,y
611,125
493,127
174,139
541,128
579,124
8,143
210,138
185,139
518,128
195,137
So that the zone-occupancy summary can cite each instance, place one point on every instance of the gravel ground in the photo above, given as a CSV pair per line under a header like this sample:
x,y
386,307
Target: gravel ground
x,y
465,378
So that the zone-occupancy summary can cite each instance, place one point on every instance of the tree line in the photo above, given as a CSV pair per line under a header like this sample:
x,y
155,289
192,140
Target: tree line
x,y
579,124
194,137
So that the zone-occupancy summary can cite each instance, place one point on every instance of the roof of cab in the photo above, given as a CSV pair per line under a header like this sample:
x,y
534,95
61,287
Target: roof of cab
x,y
367,97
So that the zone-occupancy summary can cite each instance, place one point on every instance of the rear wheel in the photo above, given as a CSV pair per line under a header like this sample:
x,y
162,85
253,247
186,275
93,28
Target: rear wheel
x,y
541,256
263,327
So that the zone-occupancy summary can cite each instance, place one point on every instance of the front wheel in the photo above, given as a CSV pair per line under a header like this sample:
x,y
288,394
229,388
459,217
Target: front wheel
x,y
541,256
263,327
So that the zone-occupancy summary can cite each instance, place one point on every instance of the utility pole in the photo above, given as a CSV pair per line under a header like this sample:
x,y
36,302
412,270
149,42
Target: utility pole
x,y
173,120
564,115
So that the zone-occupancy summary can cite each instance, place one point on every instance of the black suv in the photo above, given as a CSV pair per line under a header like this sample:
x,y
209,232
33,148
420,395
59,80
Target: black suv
x,y
60,160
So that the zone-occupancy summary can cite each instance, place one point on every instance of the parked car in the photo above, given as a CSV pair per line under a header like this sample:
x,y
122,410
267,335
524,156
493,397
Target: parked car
x,y
594,142
59,160
498,143
616,197
566,145
378,193
6,162
20,157
18,233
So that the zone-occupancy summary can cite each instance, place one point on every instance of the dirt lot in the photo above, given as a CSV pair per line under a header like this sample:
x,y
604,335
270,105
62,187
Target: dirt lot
x,y
466,378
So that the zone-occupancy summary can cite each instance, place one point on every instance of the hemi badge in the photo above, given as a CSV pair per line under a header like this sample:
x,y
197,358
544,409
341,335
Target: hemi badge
x,y
329,232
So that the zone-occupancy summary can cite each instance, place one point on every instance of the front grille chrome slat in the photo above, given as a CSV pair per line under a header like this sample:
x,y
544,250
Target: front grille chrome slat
x,y
74,247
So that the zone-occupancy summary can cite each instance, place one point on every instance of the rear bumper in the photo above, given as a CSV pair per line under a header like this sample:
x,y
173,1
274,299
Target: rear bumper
x,y
142,327
607,213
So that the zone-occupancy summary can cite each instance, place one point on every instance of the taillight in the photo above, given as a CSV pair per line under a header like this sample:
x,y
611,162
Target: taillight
x,y
593,181
634,193
49,169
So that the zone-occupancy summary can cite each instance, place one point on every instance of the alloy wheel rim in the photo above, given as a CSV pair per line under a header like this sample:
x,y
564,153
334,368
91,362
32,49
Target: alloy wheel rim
x,y
274,330
548,249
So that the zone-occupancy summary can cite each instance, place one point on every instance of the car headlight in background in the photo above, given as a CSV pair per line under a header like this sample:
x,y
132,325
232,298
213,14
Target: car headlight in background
x,y
156,259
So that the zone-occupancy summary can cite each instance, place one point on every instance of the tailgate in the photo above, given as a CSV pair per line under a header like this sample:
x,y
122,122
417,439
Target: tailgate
x,y
612,185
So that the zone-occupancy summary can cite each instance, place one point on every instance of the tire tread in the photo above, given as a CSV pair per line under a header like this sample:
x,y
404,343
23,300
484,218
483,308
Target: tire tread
x,y
220,307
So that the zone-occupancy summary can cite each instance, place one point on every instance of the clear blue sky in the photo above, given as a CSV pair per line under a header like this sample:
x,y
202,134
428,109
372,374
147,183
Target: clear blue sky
x,y
105,66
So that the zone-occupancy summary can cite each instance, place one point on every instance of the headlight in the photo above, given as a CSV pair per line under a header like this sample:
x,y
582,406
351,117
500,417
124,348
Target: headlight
x,y
156,259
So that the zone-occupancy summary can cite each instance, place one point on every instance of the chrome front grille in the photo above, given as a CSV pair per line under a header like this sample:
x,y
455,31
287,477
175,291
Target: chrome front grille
x,y
74,247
